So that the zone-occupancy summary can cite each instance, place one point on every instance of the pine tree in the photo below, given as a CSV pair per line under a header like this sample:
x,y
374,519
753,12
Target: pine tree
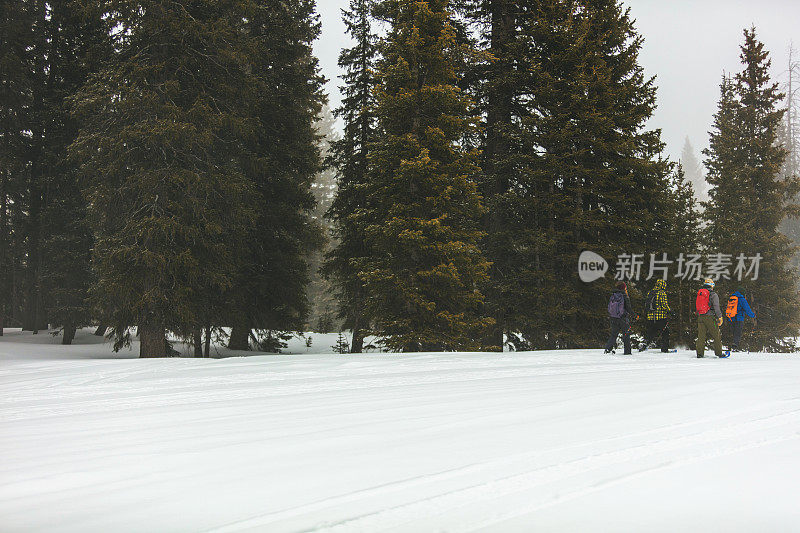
x,y
747,198
269,290
595,179
501,85
422,213
789,137
320,290
349,156
684,238
693,171
16,37
163,146
80,45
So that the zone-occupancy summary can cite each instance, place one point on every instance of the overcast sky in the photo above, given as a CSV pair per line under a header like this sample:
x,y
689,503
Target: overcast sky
x,y
688,44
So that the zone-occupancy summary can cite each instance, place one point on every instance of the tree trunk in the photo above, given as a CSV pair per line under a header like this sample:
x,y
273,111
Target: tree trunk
x,y
101,330
357,345
207,347
68,334
152,341
4,266
197,340
500,100
240,337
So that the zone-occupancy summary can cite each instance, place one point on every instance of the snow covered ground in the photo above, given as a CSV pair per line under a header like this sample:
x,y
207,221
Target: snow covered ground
x,y
515,442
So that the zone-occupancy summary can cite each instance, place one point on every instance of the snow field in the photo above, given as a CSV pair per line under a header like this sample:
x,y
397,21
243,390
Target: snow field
x,y
534,441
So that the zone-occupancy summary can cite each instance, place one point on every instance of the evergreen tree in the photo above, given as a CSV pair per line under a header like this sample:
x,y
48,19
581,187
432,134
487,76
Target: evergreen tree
x,y
596,180
349,156
16,38
789,138
269,292
747,198
684,238
80,44
320,290
502,84
693,171
422,212
164,148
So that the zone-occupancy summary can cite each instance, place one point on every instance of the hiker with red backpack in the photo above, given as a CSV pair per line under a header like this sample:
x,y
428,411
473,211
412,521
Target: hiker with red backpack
x,y
619,311
709,318
737,309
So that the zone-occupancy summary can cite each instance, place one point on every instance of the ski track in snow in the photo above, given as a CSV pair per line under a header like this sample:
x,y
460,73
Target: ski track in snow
x,y
387,442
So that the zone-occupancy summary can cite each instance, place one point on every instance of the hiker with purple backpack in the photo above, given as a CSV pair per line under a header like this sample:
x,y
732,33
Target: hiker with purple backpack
x,y
619,311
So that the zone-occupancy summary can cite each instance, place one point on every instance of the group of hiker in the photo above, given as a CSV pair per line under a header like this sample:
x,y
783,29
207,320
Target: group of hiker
x,y
710,318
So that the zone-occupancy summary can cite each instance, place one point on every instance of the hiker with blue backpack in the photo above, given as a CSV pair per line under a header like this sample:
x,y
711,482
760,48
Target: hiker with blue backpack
x,y
619,311
737,310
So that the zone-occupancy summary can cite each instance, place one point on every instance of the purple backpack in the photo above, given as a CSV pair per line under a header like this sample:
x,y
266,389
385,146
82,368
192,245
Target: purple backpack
x,y
616,305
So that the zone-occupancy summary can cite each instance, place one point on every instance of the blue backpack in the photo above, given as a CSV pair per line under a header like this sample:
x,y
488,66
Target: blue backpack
x,y
616,305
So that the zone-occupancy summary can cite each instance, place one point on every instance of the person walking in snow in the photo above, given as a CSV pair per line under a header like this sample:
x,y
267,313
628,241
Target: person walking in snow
x,y
737,310
619,311
658,311
709,318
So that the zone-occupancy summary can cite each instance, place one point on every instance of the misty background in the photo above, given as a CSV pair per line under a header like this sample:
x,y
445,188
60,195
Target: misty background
x,y
687,46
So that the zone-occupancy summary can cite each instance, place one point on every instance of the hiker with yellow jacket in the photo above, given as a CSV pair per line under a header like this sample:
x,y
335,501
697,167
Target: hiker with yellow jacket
x,y
658,313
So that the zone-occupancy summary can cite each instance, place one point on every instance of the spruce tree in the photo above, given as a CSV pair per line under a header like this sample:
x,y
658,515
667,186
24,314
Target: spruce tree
x,y
748,200
693,171
349,156
80,45
16,38
685,237
594,178
422,213
164,147
269,292
320,291
501,85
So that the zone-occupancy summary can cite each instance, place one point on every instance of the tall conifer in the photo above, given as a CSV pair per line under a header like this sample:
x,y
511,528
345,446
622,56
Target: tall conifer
x,y
269,289
163,147
421,220
349,155
595,179
748,199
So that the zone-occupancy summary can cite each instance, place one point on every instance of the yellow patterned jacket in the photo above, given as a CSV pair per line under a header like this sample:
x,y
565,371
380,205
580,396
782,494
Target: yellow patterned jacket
x,y
661,306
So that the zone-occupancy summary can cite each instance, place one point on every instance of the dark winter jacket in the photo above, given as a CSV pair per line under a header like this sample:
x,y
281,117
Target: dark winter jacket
x,y
660,298
628,308
743,309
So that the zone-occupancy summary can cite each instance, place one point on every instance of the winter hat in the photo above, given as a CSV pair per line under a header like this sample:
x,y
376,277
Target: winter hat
x,y
708,283
621,286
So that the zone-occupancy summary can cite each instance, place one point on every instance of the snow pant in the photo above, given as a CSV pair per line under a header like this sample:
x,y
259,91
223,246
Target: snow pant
x,y
619,325
737,328
657,330
707,327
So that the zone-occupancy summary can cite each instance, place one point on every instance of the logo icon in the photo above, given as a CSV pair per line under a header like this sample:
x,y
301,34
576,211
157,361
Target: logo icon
x,y
591,267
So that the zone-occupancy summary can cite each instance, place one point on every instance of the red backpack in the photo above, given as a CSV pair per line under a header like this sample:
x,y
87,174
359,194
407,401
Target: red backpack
x,y
702,303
